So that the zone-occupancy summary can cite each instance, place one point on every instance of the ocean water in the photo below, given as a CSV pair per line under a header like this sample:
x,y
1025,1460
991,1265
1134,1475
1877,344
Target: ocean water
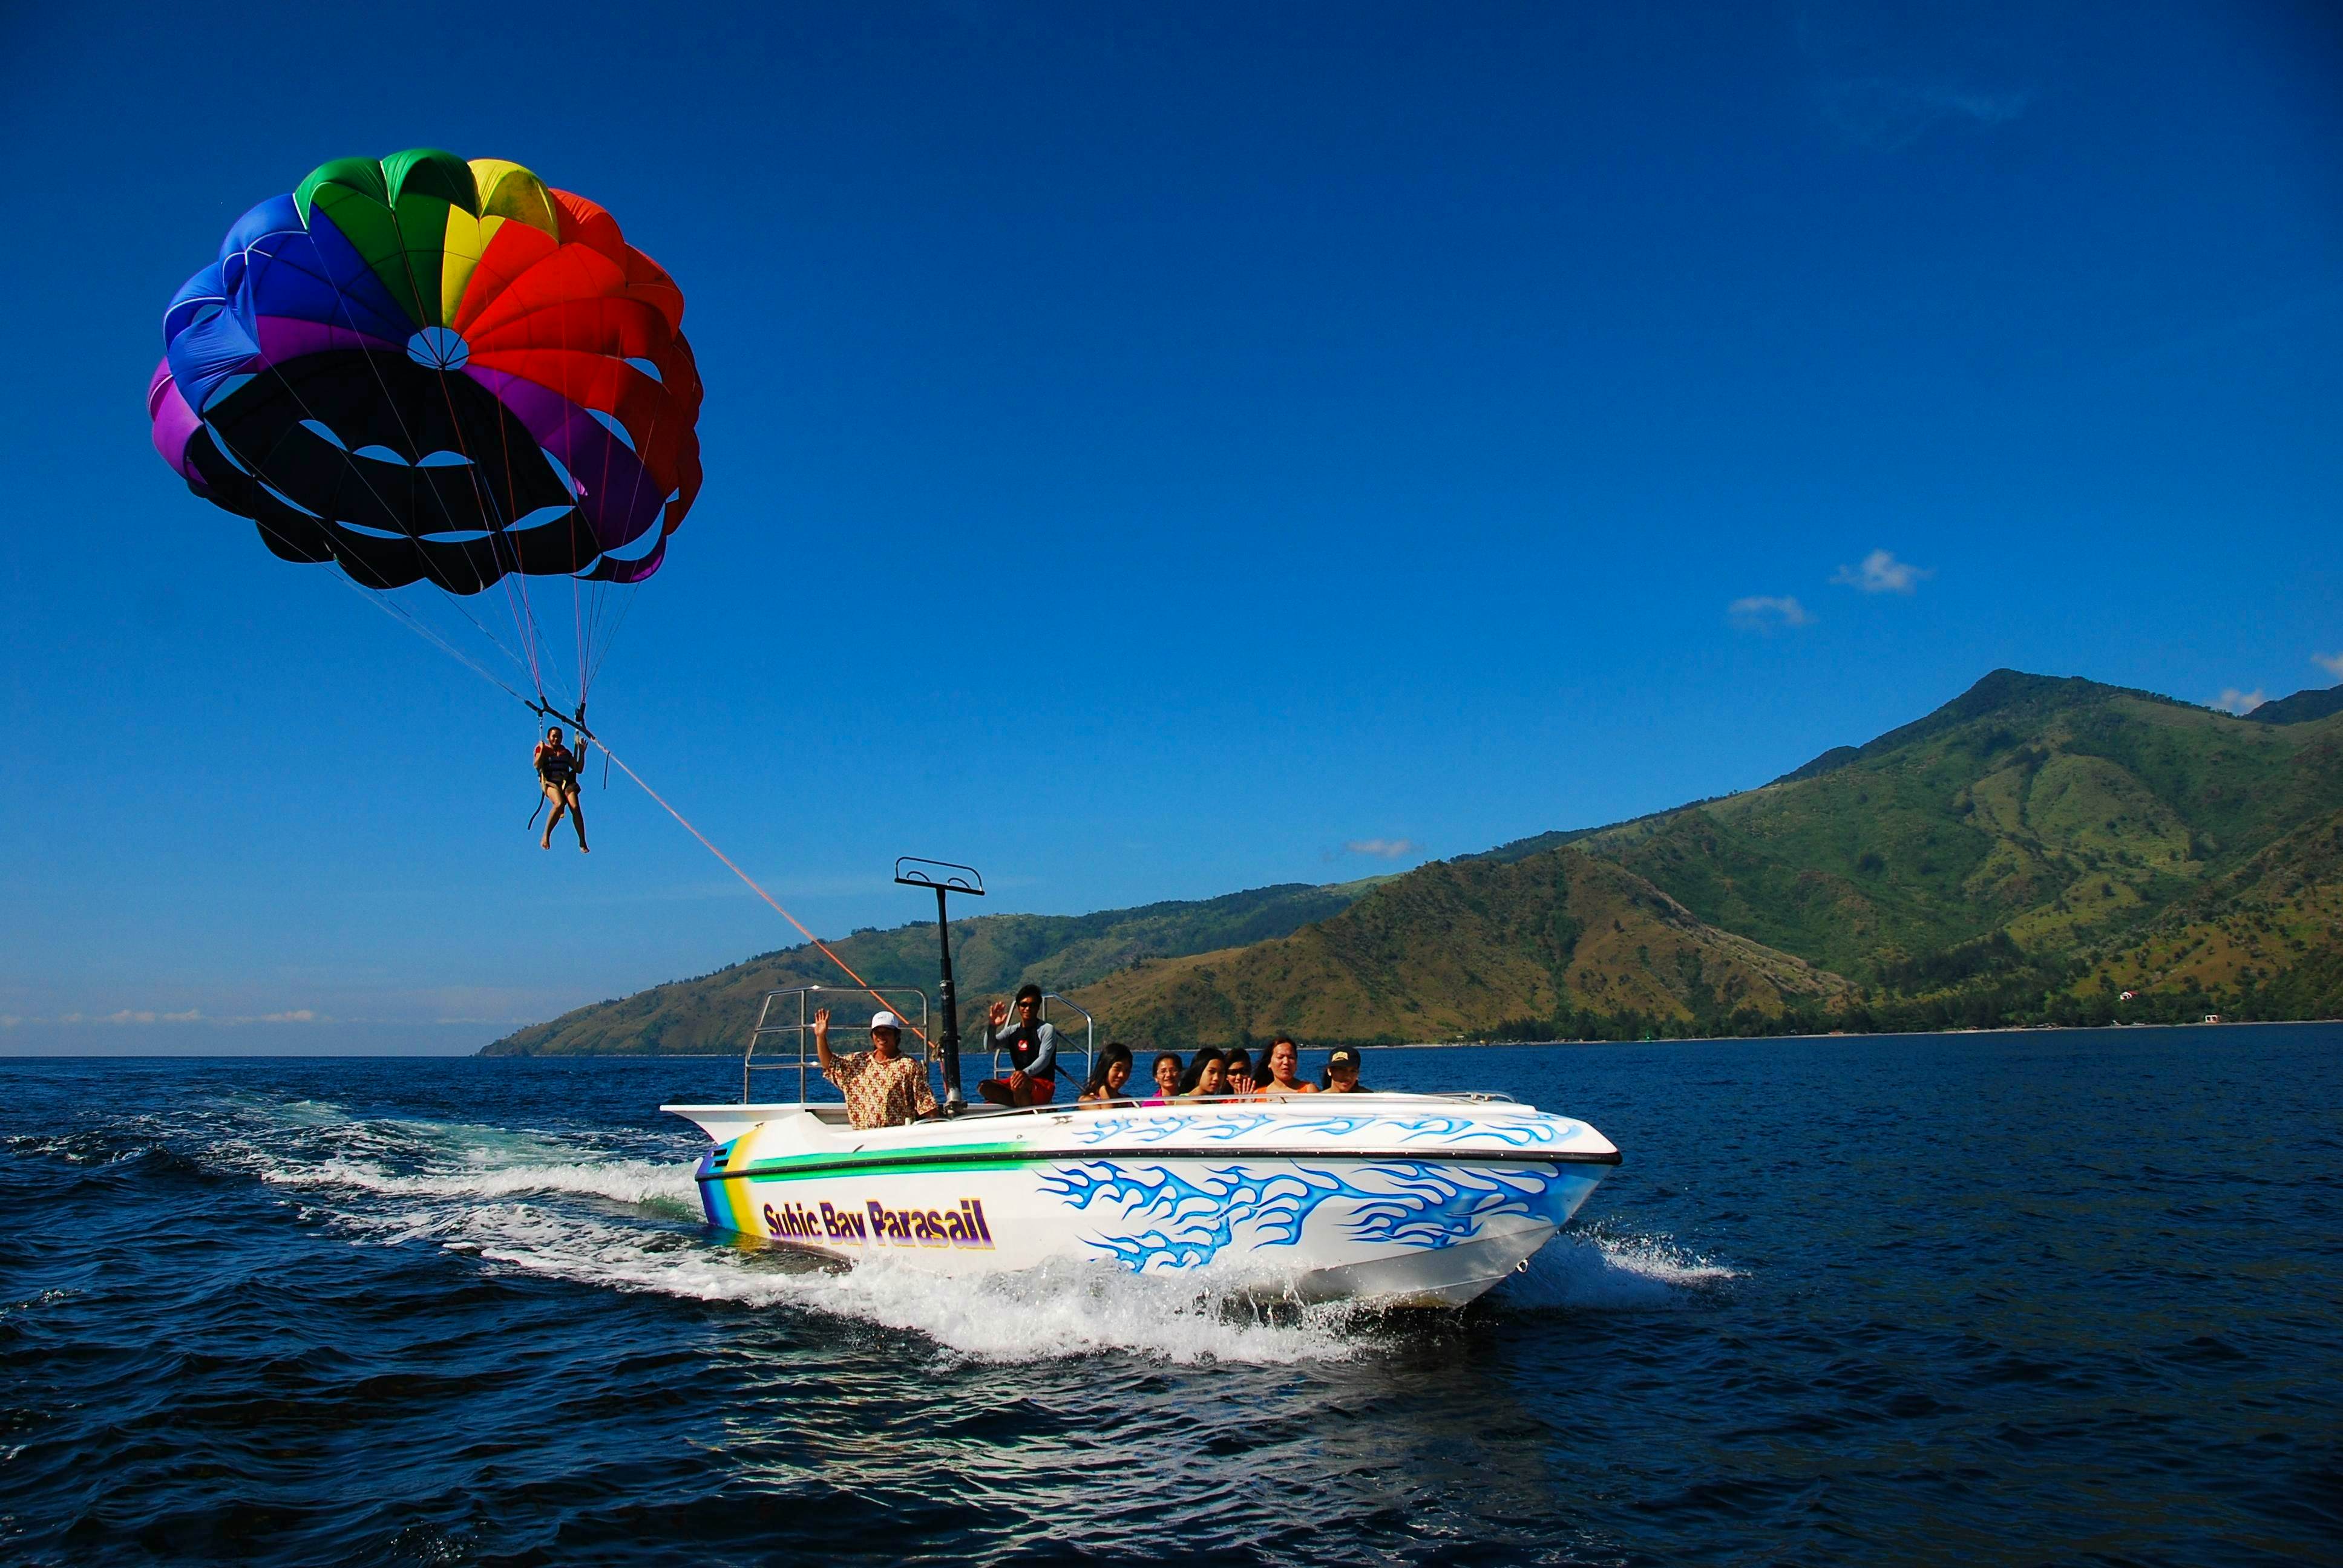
x,y
2020,1298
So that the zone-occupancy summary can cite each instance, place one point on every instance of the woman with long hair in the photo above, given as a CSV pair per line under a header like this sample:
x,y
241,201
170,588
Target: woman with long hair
x,y
1207,1077
1107,1078
556,774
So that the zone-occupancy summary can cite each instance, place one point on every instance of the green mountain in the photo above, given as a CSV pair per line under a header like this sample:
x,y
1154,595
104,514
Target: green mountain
x,y
2029,852
2302,707
992,956
2059,813
1554,943
2258,941
2026,853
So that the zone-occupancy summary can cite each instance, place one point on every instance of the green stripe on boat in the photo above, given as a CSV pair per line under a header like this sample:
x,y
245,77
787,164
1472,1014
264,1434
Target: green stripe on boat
x,y
789,1166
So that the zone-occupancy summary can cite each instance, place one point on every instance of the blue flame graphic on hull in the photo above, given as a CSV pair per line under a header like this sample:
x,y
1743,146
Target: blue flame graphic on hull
x,y
1174,1220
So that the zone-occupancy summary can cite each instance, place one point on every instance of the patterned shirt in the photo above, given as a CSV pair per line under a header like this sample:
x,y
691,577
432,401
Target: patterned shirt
x,y
881,1091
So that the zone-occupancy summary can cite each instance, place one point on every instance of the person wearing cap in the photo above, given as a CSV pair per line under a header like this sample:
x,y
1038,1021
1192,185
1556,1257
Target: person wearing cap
x,y
883,1088
1343,1073
1032,1048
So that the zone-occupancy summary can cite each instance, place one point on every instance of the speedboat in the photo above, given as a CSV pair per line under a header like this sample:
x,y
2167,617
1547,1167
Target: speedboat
x,y
1398,1199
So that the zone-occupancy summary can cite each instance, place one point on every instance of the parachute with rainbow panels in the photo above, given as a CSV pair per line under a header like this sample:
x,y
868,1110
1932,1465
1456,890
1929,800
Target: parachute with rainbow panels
x,y
430,371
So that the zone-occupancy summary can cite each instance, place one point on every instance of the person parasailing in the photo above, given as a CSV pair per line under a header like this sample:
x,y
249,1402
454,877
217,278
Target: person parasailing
x,y
557,773
451,384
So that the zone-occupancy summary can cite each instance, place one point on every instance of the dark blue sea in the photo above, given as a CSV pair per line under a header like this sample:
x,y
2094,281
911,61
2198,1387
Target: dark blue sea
x,y
1987,1299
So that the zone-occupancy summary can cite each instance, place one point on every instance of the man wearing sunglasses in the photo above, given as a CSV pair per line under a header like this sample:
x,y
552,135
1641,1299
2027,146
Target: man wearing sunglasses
x,y
1033,1047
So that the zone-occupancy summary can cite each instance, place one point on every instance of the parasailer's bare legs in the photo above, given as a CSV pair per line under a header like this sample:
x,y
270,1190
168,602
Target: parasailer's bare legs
x,y
565,799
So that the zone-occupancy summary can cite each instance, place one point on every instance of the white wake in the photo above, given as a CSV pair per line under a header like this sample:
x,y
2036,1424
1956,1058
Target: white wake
x,y
562,1207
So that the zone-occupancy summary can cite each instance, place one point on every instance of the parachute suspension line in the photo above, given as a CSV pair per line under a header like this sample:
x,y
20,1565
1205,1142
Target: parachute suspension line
x,y
457,604
388,606
576,516
405,617
603,642
686,822
391,403
511,509
511,506
624,609
576,615
603,590
524,619
399,612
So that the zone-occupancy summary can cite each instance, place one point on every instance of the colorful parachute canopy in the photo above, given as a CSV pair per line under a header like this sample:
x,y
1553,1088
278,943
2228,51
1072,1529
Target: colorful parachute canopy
x,y
426,369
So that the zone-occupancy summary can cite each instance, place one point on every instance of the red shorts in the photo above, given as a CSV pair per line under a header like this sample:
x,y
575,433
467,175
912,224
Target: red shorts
x,y
1036,1091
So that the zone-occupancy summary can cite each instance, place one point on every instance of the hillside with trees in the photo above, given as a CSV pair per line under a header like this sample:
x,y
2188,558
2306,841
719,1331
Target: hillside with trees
x,y
2037,850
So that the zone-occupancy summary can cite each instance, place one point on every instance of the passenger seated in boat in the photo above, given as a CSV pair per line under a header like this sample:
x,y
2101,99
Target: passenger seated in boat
x,y
1342,1076
1207,1077
1108,1077
883,1088
1284,1066
1167,1078
1238,1066
1032,1048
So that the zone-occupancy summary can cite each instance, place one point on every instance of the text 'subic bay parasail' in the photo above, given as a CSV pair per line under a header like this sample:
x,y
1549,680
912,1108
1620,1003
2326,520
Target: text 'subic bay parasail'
x,y
430,371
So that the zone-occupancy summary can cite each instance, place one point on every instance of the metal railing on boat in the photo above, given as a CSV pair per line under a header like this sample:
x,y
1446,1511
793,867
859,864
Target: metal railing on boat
x,y
807,1000
1090,1033
836,1112
806,997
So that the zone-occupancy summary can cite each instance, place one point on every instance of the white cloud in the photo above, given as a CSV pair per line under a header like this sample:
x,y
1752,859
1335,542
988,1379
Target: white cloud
x,y
147,1015
1881,572
1886,76
1762,612
1387,849
2332,663
2235,701
1881,112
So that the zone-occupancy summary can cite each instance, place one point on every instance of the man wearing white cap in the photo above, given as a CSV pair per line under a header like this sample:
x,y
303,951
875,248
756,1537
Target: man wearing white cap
x,y
883,1088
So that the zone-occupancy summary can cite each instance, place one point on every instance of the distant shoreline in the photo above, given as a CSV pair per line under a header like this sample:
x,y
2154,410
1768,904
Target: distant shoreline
x,y
1411,1045
1862,1034
1514,1044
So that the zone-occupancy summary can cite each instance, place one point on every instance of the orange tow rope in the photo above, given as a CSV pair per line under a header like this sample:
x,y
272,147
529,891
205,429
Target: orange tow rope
x,y
751,881
578,722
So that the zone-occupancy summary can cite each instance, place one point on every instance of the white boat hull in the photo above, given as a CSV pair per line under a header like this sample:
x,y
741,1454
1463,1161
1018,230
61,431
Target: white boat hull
x,y
1397,1199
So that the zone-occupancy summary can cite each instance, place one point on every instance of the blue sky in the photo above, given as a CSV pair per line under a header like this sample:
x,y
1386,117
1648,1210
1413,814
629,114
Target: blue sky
x,y
1154,451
